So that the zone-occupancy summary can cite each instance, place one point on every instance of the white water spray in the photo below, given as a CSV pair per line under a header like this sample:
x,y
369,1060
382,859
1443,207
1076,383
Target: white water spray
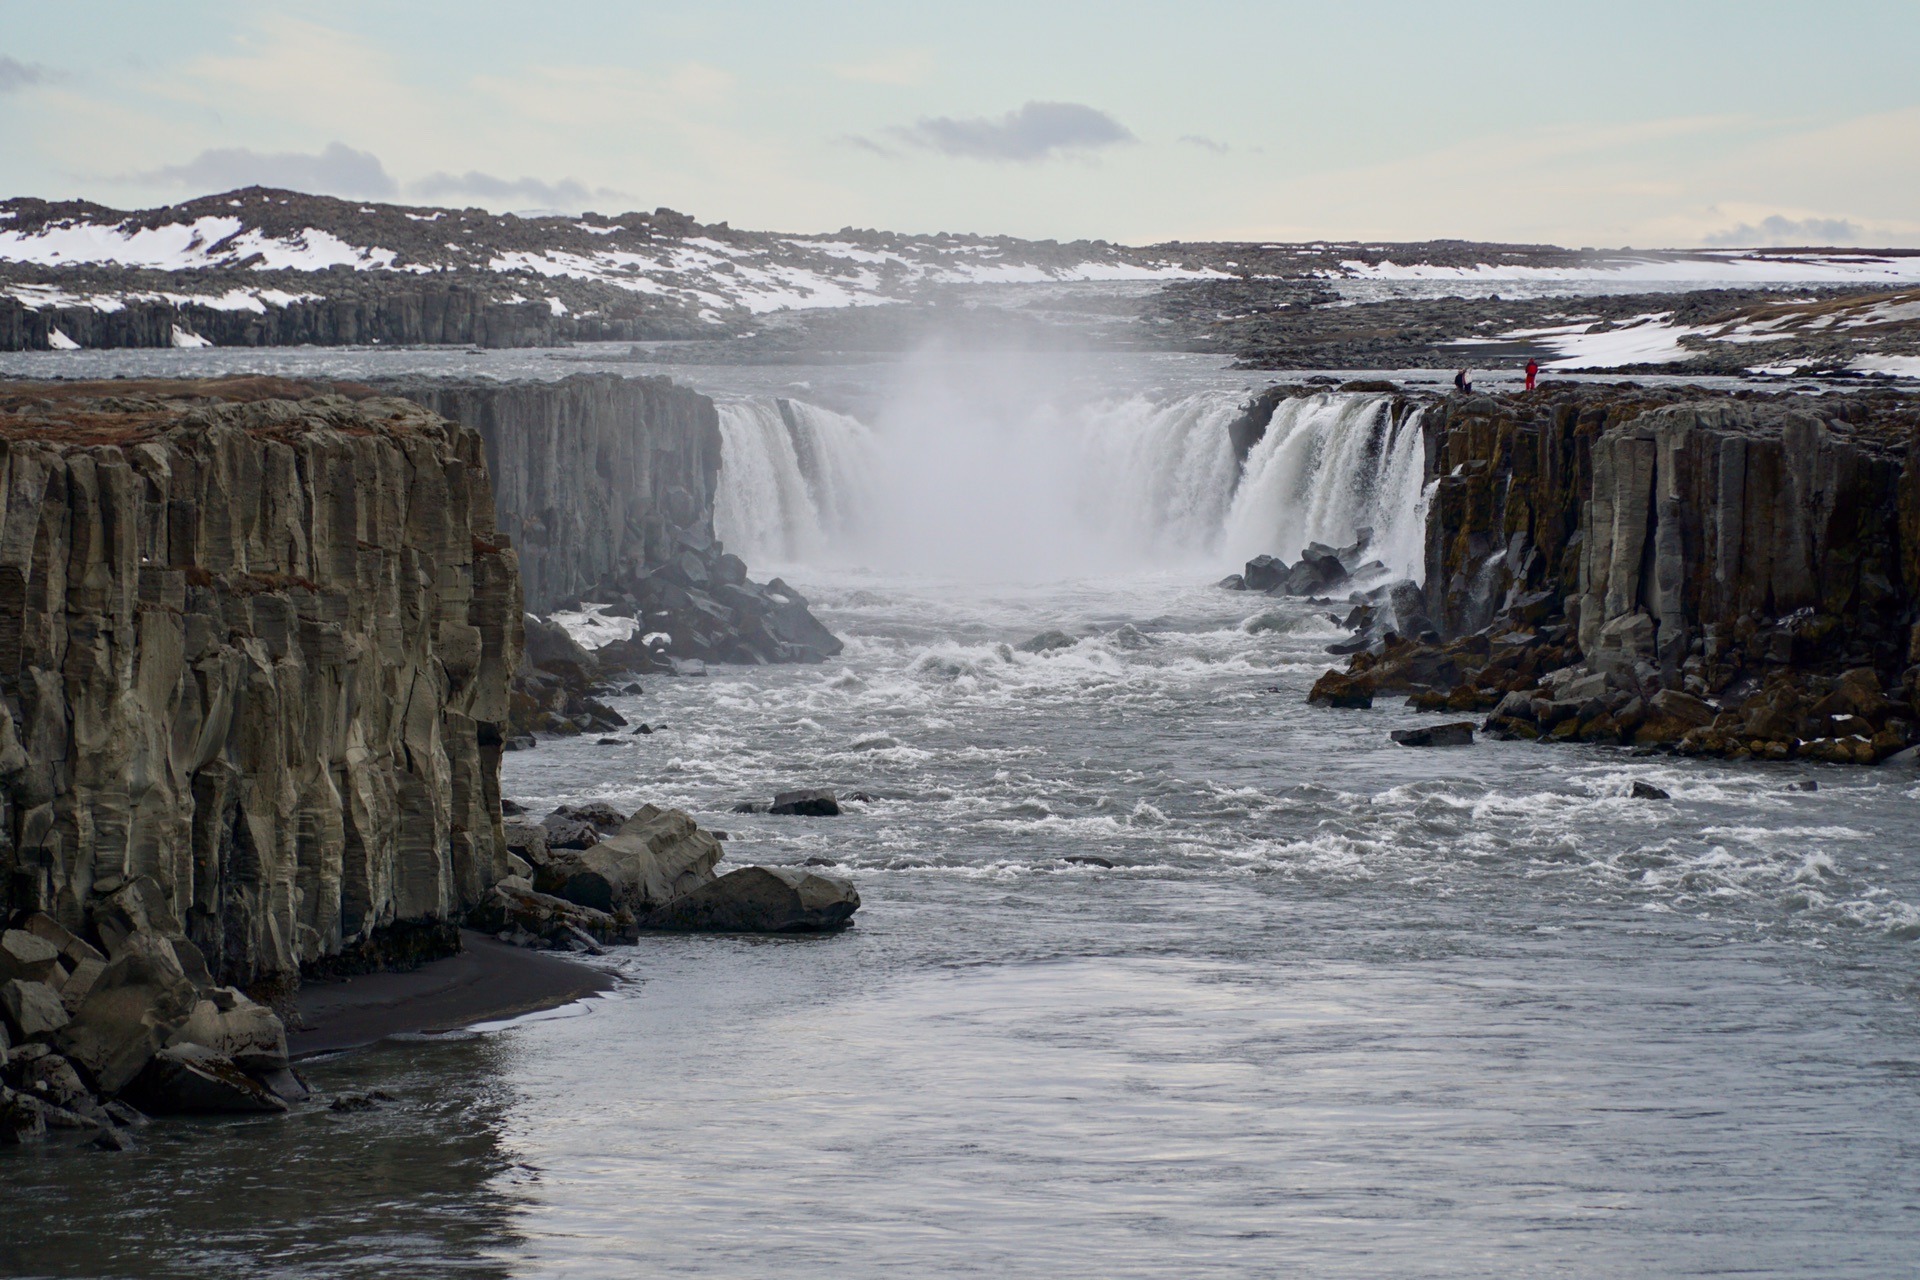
x,y
1003,480
1329,466
795,479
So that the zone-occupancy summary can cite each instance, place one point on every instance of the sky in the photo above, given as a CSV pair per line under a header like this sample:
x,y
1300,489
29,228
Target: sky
x,y
1673,124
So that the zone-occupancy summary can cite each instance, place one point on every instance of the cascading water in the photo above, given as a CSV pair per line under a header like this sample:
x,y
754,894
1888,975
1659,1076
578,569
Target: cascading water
x,y
1014,488
793,478
1329,466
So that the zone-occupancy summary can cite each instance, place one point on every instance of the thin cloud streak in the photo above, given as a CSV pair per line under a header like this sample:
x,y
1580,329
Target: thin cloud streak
x,y
1034,132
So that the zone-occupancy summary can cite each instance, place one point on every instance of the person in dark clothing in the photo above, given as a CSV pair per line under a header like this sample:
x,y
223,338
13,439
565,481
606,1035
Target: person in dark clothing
x,y
1533,371
1462,383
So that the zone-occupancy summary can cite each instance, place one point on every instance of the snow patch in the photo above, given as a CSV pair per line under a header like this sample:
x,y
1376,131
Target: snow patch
x,y
1897,366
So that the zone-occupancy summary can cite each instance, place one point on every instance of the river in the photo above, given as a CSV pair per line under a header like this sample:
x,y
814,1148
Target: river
x,y
1338,1008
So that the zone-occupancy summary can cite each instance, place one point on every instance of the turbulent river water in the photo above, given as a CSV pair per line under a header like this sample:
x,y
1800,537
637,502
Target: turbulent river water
x,y
1338,1008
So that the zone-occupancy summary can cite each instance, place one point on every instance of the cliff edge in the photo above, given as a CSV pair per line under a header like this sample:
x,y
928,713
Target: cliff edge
x,y
255,647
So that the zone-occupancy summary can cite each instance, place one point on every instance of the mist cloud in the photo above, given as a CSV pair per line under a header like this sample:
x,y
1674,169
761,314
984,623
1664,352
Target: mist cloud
x,y
1034,132
338,170
1777,230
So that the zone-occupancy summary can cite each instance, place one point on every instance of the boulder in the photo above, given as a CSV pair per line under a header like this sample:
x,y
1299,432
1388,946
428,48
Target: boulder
x,y
1047,642
550,648
1647,791
514,904
32,1009
1263,573
527,841
189,1079
235,1027
139,1000
1458,734
659,855
1339,689
807,636
602,815
26,957
762,900
815,802
73,950
569,833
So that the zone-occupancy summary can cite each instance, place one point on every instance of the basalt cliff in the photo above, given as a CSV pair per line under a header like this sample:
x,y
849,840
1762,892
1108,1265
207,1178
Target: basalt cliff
x,y
1731,574
261,648
254,649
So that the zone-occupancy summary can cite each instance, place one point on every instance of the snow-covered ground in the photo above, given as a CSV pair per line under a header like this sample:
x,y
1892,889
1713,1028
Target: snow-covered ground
x,y
1769,334
1731,269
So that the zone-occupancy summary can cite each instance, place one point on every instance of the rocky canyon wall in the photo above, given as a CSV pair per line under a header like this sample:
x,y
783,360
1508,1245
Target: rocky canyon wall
x,y
594,476
256,648
1678,531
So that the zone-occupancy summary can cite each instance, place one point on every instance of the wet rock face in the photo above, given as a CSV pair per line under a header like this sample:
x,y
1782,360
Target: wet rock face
x,y
257,654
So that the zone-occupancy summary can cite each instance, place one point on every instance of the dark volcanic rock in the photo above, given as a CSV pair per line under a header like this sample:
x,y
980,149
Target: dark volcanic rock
x,y
814,803
1459,734
1735,575
298,622
762,900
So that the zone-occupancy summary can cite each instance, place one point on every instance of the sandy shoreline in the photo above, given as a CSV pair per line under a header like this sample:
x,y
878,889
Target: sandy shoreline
x,y
487,981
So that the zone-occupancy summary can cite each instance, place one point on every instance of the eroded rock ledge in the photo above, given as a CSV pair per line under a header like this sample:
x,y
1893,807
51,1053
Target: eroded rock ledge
x,y
1719,574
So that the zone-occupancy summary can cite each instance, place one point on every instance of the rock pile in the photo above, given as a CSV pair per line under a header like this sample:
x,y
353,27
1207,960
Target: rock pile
x,y
1319,570
594,874
94,1033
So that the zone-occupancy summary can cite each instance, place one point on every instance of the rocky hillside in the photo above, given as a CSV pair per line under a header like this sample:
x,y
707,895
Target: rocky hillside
x,y
254,654
261,267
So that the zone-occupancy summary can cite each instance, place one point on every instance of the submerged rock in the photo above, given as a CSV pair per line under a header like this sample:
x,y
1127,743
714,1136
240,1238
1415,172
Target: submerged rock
x,y
1048,642
762,900
815,802
191,1078
1458,734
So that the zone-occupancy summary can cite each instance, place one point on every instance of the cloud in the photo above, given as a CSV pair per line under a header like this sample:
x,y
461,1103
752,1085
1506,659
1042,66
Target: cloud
x,y
1034,132
1206,144
898,66
1776,230
338,170
568,193
15,74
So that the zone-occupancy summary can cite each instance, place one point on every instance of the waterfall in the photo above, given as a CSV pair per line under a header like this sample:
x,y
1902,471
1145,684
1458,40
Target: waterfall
x,y
1329,466
1160,475
1047,487
794,478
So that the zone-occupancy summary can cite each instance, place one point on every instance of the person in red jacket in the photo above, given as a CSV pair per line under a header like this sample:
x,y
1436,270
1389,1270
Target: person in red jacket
x,y
1533,371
